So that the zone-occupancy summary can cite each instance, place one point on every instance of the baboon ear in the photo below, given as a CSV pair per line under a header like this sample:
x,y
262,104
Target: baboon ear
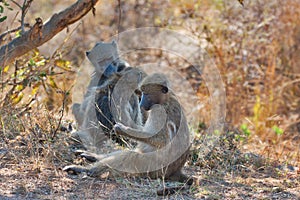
x,y
164,89
138,92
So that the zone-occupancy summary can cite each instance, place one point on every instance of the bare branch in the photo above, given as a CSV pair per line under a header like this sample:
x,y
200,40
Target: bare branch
x,y
39,33
17,4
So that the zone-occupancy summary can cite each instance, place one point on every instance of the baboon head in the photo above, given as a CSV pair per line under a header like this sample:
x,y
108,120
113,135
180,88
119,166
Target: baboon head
x,y
155,90
105,57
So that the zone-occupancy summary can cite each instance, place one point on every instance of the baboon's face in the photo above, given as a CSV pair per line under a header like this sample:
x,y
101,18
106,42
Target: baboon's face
x,y
153,94
110,69
102,55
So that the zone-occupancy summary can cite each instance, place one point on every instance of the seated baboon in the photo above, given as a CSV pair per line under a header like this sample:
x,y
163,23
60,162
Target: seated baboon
x,y
93,115
107,97
163,141
105,59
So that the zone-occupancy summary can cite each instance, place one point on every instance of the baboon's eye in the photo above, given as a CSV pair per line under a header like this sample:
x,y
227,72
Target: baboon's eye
x,y
164,90
143,88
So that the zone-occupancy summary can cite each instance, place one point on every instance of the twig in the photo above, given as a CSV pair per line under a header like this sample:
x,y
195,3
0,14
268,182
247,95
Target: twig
x,y
62,111
17,4
12,31
25,8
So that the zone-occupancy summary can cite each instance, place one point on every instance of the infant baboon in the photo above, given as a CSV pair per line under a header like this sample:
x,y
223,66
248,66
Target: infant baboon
x,y
163,140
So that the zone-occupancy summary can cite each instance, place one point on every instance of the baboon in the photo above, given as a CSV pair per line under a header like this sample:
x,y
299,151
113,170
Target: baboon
x,y
163,141
93,115
106,101
105,59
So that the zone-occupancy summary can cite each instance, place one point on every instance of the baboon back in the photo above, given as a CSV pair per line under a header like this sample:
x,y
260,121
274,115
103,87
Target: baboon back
x,y
103,103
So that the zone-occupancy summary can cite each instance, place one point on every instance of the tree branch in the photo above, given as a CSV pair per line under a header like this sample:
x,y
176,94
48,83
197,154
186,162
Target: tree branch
x,y
39,33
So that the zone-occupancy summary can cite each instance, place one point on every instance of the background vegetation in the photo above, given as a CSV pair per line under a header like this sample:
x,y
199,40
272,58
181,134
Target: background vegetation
x,y
255,47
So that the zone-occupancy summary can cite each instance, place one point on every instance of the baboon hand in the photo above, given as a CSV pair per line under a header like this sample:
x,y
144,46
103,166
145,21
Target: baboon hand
x,y
120,128
92,157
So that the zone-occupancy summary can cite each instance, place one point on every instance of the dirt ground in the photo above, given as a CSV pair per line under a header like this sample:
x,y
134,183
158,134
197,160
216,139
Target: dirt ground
x,y
24,175
55,184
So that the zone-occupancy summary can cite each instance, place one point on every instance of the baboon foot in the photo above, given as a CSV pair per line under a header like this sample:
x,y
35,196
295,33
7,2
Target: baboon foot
x,y
75,169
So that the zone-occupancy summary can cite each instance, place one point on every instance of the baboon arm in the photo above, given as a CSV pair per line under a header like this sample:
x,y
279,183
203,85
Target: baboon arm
x,y
139,135
131,132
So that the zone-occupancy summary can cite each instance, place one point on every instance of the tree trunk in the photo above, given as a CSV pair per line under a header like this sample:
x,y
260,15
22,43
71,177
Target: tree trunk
x,y
40,33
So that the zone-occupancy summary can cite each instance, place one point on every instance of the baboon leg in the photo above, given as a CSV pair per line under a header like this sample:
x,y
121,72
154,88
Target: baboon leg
x,y
97,169
100,166
112,161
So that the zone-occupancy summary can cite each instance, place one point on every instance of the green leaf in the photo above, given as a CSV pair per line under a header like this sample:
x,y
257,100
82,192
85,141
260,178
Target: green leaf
x,y
245,130
31,62
277,130
3,18
6,4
